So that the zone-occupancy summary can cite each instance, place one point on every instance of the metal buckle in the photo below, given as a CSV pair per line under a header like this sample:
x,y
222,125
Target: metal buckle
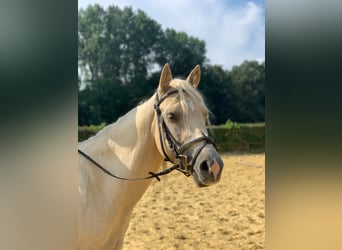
x,y
183,164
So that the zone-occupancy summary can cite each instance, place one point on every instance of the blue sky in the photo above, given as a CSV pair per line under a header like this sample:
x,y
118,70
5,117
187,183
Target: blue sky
x,y
233,31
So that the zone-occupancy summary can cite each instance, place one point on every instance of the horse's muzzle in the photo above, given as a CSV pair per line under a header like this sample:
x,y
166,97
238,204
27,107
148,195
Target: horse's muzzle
x,y
208,167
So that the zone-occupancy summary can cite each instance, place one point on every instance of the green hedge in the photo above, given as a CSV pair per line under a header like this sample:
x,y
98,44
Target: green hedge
x,y
84,132
240,137
246,137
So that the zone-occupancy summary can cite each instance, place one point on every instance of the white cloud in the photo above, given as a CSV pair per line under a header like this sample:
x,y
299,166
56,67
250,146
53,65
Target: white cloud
x,y
233,33
240,36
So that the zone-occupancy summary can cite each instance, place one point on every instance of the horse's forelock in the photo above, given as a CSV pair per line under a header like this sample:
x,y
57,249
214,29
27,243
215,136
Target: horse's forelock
x,y
185,89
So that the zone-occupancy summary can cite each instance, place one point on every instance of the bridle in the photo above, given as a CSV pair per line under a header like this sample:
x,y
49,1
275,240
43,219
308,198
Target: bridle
x,y
183,163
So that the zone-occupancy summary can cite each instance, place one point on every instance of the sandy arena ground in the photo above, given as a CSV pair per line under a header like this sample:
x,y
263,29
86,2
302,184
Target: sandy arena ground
x,y
175,214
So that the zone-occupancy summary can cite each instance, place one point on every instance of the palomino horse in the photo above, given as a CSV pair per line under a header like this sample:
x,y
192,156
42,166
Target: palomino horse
x,y
171,125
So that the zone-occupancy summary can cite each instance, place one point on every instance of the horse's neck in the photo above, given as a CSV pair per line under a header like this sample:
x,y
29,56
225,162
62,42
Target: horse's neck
x,y
127,149
130,142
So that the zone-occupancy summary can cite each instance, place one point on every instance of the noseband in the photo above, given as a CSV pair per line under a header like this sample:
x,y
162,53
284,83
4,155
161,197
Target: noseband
x,y
185,165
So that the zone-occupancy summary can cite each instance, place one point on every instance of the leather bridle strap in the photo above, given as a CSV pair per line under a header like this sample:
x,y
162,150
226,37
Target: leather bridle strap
x,y
162,126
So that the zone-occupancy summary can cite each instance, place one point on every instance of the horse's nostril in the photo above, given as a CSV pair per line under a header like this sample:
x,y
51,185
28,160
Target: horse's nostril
x,y
204,166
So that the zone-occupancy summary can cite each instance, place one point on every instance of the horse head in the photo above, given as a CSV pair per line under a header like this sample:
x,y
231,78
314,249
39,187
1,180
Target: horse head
x,y
180,130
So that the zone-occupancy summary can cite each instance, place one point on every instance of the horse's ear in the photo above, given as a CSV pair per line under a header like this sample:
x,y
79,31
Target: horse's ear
x,y
194,76
165,79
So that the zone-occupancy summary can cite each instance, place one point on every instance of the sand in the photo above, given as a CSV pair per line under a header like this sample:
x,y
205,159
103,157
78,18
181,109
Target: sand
x,y
175,214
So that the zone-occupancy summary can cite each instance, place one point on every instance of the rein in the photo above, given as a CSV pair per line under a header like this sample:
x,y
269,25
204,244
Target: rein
x,y
152,175
178,150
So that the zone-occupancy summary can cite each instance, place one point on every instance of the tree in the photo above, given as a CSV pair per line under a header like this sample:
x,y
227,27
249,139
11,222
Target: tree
x,y
116,44
249,84
238,95
218,91
116,52
90,42
181,51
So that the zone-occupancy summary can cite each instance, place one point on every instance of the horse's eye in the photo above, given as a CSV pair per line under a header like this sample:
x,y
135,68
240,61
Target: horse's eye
x,y
171,116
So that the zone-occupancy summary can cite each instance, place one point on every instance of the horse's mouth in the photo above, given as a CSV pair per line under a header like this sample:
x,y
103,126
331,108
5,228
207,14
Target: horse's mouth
x,y
198,181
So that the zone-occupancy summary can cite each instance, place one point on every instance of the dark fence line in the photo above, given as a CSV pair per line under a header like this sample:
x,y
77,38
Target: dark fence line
x,y
242,138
